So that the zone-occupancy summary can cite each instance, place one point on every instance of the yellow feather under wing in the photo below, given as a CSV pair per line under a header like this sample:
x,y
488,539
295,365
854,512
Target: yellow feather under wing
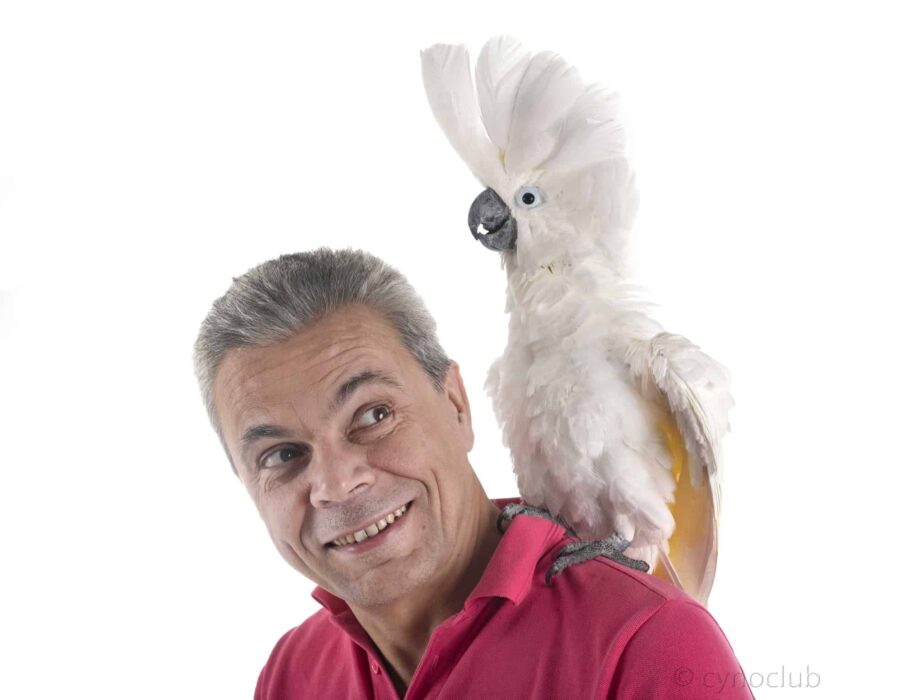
x,y
693,546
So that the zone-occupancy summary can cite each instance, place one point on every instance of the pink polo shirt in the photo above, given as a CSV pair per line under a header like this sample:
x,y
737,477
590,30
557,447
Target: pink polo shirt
x,y
603,631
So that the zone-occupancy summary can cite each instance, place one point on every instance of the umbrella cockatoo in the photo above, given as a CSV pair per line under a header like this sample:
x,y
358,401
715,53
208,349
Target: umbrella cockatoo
x,y
613,425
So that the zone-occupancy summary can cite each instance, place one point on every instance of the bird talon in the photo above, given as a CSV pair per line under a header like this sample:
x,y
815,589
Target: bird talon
x,y
513,509
611,548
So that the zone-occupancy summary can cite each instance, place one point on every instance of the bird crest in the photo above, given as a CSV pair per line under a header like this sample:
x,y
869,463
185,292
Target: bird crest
x,y
549,148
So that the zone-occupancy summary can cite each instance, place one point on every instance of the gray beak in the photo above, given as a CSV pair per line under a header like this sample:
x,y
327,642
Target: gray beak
x,y
490,221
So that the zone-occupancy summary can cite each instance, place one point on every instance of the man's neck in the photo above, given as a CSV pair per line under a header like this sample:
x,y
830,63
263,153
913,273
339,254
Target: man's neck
x,y
401,630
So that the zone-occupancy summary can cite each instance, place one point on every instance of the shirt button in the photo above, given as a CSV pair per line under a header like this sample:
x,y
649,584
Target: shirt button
x,y
375,668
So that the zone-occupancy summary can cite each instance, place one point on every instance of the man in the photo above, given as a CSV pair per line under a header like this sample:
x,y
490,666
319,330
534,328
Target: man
x,y
350,428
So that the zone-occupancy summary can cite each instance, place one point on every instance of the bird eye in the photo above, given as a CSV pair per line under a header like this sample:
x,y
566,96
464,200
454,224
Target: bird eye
x,y
374,415
528,197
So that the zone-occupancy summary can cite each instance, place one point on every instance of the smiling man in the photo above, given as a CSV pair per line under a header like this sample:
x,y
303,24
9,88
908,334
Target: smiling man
x,y
350,428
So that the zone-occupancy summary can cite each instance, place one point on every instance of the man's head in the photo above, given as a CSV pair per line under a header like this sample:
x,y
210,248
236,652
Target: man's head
x,y
337,407
280,297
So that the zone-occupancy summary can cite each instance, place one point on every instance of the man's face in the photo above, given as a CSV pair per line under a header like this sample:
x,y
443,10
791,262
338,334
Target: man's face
x,y
337,428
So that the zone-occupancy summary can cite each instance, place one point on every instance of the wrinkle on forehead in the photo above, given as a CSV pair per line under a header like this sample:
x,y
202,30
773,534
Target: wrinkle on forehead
x,y
250,380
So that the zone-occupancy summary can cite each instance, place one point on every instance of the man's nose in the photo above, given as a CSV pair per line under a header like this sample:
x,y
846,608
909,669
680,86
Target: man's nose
x,y
338,472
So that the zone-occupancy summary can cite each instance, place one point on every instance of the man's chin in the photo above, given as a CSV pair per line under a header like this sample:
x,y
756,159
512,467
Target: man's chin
x,y
386,583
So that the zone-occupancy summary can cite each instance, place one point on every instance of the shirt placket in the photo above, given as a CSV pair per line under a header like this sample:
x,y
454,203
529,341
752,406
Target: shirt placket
x,y
382,686
430,677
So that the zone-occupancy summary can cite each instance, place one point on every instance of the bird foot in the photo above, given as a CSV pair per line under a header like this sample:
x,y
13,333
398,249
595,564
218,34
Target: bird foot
x,y
577,552
512,509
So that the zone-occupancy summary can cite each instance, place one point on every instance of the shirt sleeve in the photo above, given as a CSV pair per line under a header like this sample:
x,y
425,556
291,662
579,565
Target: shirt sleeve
x,y
259,691
679,653
270,678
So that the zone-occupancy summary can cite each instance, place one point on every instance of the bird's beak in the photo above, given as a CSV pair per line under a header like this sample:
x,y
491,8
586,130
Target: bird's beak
x,y
490,221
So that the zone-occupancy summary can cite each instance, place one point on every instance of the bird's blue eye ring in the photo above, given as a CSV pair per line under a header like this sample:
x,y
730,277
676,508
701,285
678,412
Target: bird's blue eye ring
x,y
528,197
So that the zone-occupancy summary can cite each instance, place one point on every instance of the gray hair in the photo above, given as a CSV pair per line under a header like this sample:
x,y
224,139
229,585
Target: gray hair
x,y
278,298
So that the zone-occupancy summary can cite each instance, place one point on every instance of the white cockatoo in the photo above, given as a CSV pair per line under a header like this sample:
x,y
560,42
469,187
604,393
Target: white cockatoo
x,y
613,425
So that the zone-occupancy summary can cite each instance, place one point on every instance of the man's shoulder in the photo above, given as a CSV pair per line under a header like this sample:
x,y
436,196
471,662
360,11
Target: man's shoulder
x,y
317,634
607,586
629,600
646,628
318,640
612,604
599,625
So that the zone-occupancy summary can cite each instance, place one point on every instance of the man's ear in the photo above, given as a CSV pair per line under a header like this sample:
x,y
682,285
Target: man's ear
x,y
457,396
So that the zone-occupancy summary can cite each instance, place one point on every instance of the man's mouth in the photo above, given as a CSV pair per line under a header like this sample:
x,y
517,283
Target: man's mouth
x,y
373,530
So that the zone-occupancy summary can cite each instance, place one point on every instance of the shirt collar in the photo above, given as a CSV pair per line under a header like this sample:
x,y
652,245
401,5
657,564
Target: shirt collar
x,y
509,573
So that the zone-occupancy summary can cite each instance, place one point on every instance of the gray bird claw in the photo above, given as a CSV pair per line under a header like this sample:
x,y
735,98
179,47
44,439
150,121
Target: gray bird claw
x,y
512,509
577,552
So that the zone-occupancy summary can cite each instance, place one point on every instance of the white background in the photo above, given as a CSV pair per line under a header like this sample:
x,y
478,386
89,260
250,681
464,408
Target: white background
x,y
151,151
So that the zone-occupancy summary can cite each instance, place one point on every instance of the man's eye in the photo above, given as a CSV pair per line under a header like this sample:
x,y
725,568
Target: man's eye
x,y
374,415
281,456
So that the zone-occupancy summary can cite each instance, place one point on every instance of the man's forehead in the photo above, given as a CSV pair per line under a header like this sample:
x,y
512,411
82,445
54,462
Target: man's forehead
x,y
315,360
244,379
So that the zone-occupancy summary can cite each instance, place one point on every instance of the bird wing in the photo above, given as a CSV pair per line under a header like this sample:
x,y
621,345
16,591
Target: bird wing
x,y
451,95
696,391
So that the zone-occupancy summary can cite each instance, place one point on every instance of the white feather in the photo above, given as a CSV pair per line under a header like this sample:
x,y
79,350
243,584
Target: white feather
x,y
500,66
696,388
548,89
590,132
449,88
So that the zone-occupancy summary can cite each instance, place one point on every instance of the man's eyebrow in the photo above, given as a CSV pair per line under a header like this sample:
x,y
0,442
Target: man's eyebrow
x,y
256,432
366,377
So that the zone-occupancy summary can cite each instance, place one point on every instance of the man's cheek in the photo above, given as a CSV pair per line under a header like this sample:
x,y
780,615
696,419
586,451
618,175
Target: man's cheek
x,y
391,453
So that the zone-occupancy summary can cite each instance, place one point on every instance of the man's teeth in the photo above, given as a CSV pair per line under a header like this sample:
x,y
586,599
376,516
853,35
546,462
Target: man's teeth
x,y
372,529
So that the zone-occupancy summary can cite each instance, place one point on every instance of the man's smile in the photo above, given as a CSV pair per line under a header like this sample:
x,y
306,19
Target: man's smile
x,y
371,535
